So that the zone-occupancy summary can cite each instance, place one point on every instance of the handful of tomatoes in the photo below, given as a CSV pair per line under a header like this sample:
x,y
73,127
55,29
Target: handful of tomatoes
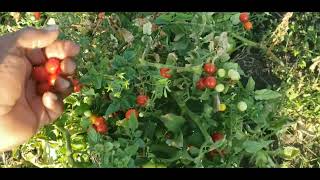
x,y
53,76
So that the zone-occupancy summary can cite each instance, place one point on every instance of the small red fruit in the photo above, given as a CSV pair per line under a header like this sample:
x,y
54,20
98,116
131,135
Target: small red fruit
x,y
52,79
40,74
200,84
164,72
75,82
209,68
244,17
37,15
217,136
52,65
248,26
210,82
42,88
142,100
99,121
77,88
130,111
102,129
101,15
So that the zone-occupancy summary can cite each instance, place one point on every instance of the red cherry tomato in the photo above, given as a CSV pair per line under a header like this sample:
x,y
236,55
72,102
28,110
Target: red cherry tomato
x,y
210,82
244,17
102,129
53,65
200,84
130,111
164,72
37,15
101,15
77,88
248,26
52,79
42,88
75,82
99,121
209,68
217,136
142,100
40,74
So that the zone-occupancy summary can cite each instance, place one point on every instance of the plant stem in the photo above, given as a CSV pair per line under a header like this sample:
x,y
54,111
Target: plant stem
x,y
69,152
192,116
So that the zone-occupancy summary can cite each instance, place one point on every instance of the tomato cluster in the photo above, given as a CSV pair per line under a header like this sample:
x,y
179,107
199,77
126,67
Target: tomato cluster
x,y
209,81
99,124
217,136
244,18
46,76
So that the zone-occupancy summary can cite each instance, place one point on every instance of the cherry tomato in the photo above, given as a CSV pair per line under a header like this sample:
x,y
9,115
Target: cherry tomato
x,y
164,72
217,136
99,121
210,82
130,111
209,68
77,88
42,88
37,15
200,84
248,26
142,100
75,82
102,129
40,74
244,17
52,79
53,65
101,15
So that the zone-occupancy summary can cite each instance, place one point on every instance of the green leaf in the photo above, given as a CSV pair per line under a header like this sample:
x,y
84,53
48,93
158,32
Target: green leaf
x,y
93,136
250,85
164,19
255,146
129,55
235,19
266,94
132,150
113,107
230,65
176,142
289,153
173,122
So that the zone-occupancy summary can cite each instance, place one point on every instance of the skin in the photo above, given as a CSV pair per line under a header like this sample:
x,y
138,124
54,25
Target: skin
x,y
22,111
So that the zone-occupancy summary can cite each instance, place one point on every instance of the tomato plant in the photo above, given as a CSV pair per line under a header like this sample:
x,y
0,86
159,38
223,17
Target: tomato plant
x,y
186,64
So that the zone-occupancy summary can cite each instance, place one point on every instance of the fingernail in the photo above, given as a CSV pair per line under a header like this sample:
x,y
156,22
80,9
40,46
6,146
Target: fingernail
x,y
52,28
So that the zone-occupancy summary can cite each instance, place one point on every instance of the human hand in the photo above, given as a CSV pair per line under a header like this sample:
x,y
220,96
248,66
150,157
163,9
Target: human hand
x,y
22,111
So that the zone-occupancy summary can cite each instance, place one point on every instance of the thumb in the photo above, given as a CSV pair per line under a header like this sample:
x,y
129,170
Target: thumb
x,y
36,38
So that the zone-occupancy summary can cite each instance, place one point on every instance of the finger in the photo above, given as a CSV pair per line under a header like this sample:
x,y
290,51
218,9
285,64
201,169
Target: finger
x,y
61,84
36,38
53,105
62,49
35,56
36,104
68,66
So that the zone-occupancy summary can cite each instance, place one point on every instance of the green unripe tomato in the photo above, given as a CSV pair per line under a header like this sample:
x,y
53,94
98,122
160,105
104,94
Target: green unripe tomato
x,y
242,106
233,75
219,88
221,72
